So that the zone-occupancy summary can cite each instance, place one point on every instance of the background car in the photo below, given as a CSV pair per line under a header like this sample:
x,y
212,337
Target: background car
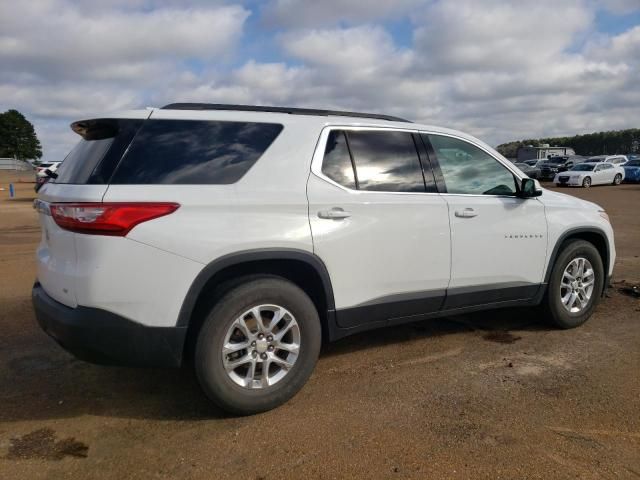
x,y
528,170
590,173
549,168
632,171
614,159
532,163
41,173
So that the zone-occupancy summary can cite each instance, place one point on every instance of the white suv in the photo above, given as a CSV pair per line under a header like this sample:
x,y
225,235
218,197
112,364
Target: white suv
x,y
239,237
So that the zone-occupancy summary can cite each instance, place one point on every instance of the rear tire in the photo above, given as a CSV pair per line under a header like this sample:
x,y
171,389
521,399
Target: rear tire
x,y
232,323
561,288
617,180
586,183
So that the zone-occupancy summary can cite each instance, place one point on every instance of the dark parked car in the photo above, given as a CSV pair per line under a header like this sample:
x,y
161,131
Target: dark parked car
x,y
554,165
528,170
632,171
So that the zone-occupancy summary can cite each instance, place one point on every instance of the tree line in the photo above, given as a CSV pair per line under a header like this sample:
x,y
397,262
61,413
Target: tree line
x,y
598,143
18,138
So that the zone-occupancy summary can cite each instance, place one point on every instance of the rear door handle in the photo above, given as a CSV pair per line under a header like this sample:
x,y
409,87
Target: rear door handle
x,y
466,213
335,213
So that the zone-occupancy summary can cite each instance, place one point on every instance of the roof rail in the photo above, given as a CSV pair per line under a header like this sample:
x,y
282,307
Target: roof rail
x,y
290,110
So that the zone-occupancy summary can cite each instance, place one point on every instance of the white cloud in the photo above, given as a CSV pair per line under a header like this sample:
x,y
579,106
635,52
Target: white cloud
x,y
620,7
58,40
314,13
494,35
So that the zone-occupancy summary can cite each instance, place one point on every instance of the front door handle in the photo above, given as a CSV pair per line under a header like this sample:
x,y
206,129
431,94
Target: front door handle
x,y
466,213
335,213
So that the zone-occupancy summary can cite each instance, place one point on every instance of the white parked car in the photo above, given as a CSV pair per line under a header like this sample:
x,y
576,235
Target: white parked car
x,y
591,173
614,159
42,176
240,237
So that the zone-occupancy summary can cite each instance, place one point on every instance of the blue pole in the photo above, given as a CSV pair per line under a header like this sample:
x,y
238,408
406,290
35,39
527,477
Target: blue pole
x,y
12,192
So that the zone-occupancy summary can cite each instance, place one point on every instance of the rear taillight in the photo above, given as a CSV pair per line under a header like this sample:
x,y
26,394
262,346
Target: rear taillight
x,y
115,219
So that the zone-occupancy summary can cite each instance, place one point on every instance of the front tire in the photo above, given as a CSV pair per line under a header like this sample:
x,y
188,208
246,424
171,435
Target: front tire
x,y
586,183
575,285
617,180
258,346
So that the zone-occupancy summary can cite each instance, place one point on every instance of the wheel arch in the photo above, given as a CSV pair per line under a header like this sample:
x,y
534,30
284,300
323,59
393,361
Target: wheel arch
x,y
302,268
595,236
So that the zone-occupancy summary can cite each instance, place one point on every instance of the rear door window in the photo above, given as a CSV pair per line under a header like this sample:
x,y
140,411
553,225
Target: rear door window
x,y
192,152
386,161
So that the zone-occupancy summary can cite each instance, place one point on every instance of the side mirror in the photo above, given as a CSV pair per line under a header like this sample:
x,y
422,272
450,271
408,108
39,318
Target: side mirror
x,y
529,188
51,174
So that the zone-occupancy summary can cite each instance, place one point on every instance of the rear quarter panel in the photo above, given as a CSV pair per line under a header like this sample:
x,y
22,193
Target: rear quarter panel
x,y
266,208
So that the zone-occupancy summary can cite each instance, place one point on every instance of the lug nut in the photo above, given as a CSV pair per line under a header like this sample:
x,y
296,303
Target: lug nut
x,y
270,348
269,338
254,354
263,356
253,344
260,336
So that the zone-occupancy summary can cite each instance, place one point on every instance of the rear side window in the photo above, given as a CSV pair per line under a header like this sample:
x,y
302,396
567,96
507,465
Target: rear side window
x,y
94,158
386,161
194,152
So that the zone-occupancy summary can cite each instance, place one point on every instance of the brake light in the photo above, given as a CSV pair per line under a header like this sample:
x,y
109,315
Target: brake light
x,y
116,219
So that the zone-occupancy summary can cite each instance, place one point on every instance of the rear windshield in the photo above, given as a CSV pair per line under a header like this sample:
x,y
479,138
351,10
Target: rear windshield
x,y
194,152
633,163
95,157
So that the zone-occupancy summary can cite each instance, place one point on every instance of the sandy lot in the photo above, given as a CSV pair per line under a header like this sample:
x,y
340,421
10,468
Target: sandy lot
x,y
493,395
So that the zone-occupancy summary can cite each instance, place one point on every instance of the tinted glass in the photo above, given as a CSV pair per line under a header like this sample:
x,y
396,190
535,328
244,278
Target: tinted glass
x,y
94,158
386,161
81,161
468,169
632,163
337,163
194,152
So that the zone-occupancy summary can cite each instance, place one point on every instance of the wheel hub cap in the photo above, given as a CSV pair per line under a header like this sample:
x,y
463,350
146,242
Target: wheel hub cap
x,y
261,345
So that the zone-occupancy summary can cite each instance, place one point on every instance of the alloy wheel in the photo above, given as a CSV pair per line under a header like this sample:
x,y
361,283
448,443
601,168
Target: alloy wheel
x,y
576,287
261,346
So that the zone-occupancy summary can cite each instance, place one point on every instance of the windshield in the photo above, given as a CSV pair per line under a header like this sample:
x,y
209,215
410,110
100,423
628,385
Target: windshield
x,y
596,159
583,167
557,160
632,163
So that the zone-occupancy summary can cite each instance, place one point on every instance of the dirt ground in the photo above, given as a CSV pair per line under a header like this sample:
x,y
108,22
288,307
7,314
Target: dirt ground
x,y
496,395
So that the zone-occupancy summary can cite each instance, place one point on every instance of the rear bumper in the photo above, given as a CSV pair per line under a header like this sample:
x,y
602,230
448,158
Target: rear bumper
x,y
105,338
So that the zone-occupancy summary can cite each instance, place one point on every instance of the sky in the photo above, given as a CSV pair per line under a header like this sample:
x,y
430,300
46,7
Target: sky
x,y
499,70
